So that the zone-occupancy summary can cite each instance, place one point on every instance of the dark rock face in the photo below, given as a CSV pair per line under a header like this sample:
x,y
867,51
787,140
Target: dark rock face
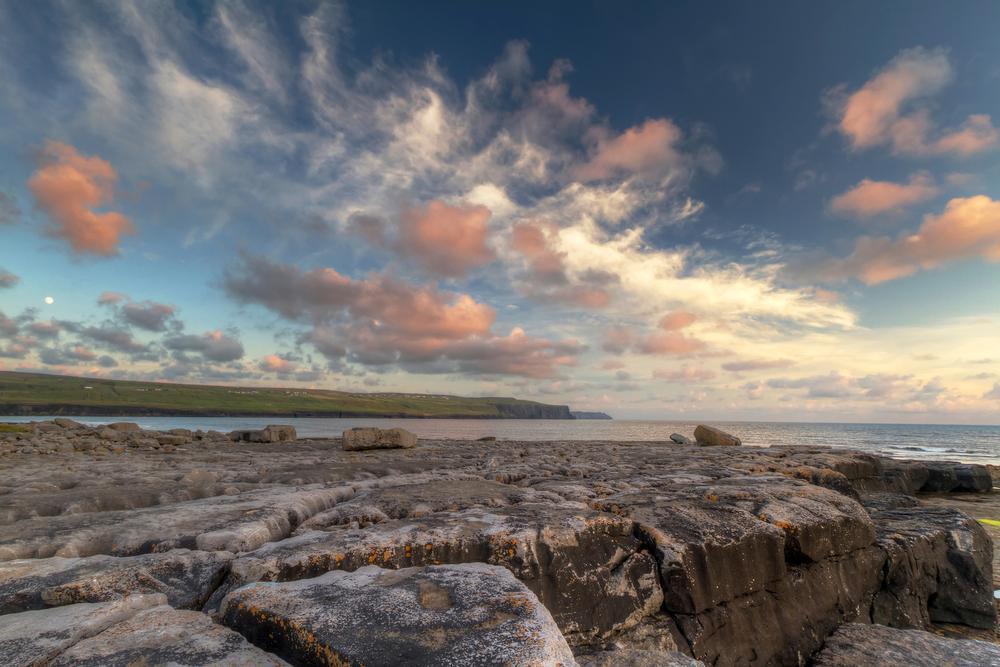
x,y
471,614
943,476
938,568
853,645
581,414
730,555
532,411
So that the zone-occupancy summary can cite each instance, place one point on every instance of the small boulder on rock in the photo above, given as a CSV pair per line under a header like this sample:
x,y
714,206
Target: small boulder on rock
x,y
707,436
681,439
361,438
270,433
63,422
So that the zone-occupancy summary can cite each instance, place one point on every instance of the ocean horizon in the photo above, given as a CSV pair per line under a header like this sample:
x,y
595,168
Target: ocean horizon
x,y
954,442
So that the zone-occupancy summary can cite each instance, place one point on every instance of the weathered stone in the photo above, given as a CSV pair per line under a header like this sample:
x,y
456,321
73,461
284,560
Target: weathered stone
x,y
183,432
34,638
631,657
187,578
711,436
948,476
362,438
110,434
854,644
71,424
220,523
166,636
447,614
127,427
271,433
939,567
568,556
681,439
171,440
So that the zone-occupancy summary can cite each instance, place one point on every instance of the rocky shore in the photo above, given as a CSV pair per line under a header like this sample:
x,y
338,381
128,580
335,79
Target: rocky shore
x,y
120,546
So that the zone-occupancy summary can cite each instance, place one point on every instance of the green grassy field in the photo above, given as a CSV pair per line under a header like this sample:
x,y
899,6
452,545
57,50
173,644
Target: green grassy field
x,y
30,393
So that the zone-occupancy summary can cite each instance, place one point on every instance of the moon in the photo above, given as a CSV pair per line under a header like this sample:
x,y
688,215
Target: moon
x,y
49,300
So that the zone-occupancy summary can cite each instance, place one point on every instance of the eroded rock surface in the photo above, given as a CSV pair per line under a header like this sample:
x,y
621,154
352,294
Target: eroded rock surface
x,y
728,555
362,438
853,645
471,614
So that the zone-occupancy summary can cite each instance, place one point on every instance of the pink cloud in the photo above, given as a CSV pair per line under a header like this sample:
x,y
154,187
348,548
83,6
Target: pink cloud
x,y
756,365
273,363
618,340
875,114
669,343
379,320
548,280
677,320
651,146
870,198
969,227
684,374
68,187
446,240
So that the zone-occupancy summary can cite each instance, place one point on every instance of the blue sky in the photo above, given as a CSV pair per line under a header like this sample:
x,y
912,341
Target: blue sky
x,y
743,210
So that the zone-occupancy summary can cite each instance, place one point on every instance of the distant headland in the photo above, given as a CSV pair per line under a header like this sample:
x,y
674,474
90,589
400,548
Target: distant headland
x,y
28,394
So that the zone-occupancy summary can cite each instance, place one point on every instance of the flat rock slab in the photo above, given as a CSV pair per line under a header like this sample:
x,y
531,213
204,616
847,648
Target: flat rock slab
x,y
36,637
473,614
186,577
362,438
570,556
166,636
221,523
630,657
854,644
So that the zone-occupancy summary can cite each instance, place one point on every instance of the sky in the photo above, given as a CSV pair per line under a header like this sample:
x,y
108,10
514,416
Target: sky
x,y
763,211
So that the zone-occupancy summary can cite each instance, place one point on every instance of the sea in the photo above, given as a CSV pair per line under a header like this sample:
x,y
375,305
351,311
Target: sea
x,y
969,444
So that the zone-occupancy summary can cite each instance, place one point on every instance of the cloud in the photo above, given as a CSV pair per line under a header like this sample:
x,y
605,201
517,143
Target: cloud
x,y
446,240
882,111
68,187
547,278
870,198
968,228
115,337
8,279
994,393
677,320
212,345
381,320
685,373
832,385
9,212
274,363
649,148
756,365
618,340
148,315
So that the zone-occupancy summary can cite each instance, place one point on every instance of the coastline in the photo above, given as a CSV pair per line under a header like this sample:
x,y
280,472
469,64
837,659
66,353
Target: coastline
x,y
718,554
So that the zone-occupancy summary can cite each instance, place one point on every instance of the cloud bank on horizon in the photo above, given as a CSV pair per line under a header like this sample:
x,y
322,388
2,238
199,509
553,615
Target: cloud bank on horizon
x,y
319,195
